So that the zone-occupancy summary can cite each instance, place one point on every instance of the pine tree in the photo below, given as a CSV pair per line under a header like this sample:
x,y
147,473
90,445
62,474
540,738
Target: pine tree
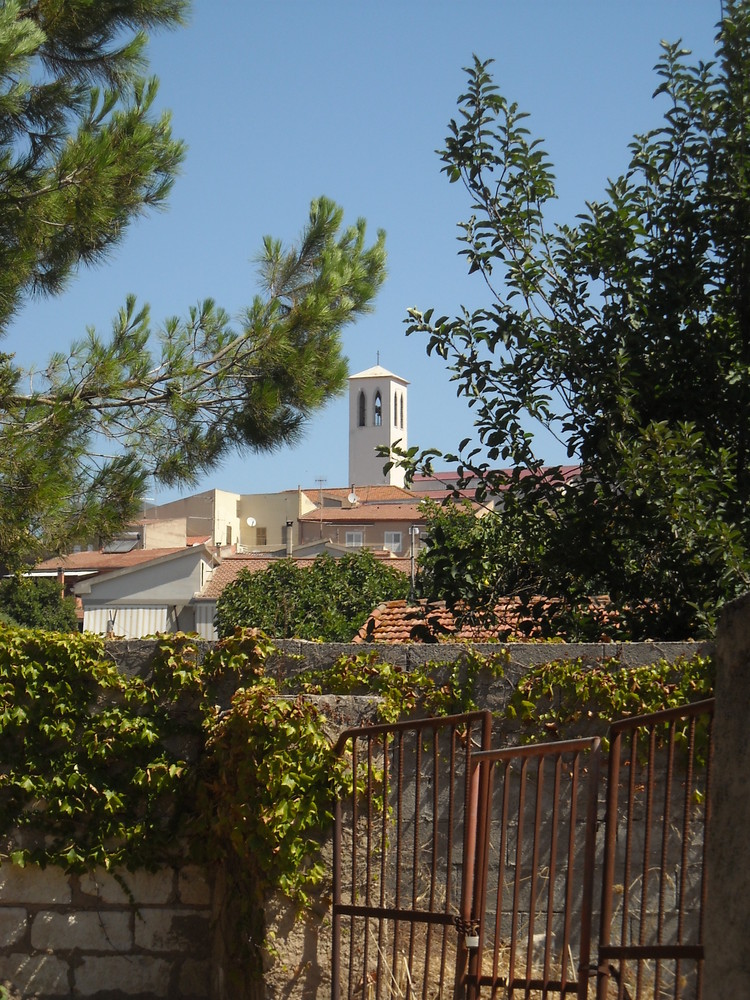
x,y
82,154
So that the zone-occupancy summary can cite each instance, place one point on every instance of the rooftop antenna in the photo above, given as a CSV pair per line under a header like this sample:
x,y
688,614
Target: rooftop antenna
x,y
377,355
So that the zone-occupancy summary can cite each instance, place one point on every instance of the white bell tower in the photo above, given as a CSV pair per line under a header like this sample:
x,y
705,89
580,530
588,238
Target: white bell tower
x,y
377,417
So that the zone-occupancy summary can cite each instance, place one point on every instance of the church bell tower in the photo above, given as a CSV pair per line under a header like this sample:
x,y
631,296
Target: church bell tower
x,y
377,418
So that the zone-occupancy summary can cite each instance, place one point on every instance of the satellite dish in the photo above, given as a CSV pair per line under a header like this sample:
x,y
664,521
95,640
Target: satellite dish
x,y
251,522
353,498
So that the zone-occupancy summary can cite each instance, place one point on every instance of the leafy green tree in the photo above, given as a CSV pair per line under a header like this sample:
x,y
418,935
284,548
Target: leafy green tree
x,y
459,563
328,600
37,603
626,335
83,153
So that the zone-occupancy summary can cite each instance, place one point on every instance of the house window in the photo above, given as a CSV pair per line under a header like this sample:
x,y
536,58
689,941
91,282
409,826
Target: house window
x,y
355,539
395,409
402,412
362,418
378,409
392,541
261,536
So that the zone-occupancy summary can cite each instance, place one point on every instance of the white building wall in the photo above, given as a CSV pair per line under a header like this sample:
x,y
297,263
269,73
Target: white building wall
x,y
205,612
213,513
365,466
130,622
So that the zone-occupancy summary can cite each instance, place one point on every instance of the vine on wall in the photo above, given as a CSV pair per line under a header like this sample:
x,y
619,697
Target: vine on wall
x,y
99,768
421,689
557,699
102,768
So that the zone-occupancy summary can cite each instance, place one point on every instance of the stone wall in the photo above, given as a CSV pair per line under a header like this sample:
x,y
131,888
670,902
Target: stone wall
x,y
145,935
728,862
160,934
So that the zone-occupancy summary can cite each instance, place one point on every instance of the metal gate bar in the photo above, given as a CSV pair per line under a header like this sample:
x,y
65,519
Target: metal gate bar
x,y
398,899
440,834
530,842
659,769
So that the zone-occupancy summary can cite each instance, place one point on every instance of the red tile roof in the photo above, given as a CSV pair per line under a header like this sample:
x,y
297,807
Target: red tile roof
x,y
101,562
397,621
365,494
448,477
367,513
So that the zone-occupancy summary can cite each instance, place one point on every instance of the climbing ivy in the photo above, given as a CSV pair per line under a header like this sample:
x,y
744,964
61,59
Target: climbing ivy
x,y
87,777
426,688
100,767
557,699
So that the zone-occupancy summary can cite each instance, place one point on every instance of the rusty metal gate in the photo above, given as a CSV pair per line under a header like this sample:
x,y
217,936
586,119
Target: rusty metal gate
x,y
653,884
403,856
470,872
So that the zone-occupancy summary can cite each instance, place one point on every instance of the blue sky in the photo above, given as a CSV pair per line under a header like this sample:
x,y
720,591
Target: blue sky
x,y
283,100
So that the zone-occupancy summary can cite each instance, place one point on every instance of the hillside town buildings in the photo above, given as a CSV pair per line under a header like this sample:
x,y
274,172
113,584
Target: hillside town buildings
x,y
166,572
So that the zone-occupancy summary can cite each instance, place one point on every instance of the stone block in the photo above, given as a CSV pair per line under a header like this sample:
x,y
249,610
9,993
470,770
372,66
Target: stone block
x,y
104,887
33,885
34,975
13,924
173,930
195,979
137,974
144,887
151,888
87,930
193,886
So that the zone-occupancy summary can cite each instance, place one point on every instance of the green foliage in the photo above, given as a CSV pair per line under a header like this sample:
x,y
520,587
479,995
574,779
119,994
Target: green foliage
x,y
427,689
565,697
625,335
36,603
101,768
84,153
329,600
104,768
268,787
86,779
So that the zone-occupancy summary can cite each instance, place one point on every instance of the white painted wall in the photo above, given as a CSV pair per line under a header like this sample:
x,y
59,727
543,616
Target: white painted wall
x,y
365,466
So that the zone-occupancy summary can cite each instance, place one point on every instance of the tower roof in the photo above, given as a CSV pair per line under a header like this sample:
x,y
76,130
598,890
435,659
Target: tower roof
x,y
377,371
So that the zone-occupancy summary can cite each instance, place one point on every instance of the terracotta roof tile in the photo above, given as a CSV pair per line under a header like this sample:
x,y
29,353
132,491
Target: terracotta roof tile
x,y
101,562
367,513
365,494
397,621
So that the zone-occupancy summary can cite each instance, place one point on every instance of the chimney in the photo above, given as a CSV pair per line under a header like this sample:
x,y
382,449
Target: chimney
x,y
289,538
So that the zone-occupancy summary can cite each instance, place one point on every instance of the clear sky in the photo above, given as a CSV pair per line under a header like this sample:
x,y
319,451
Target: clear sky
x,y
280,101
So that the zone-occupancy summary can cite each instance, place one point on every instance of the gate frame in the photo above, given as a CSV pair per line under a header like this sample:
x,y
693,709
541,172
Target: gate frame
x,y
468,981
643,952
485,761
472,789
